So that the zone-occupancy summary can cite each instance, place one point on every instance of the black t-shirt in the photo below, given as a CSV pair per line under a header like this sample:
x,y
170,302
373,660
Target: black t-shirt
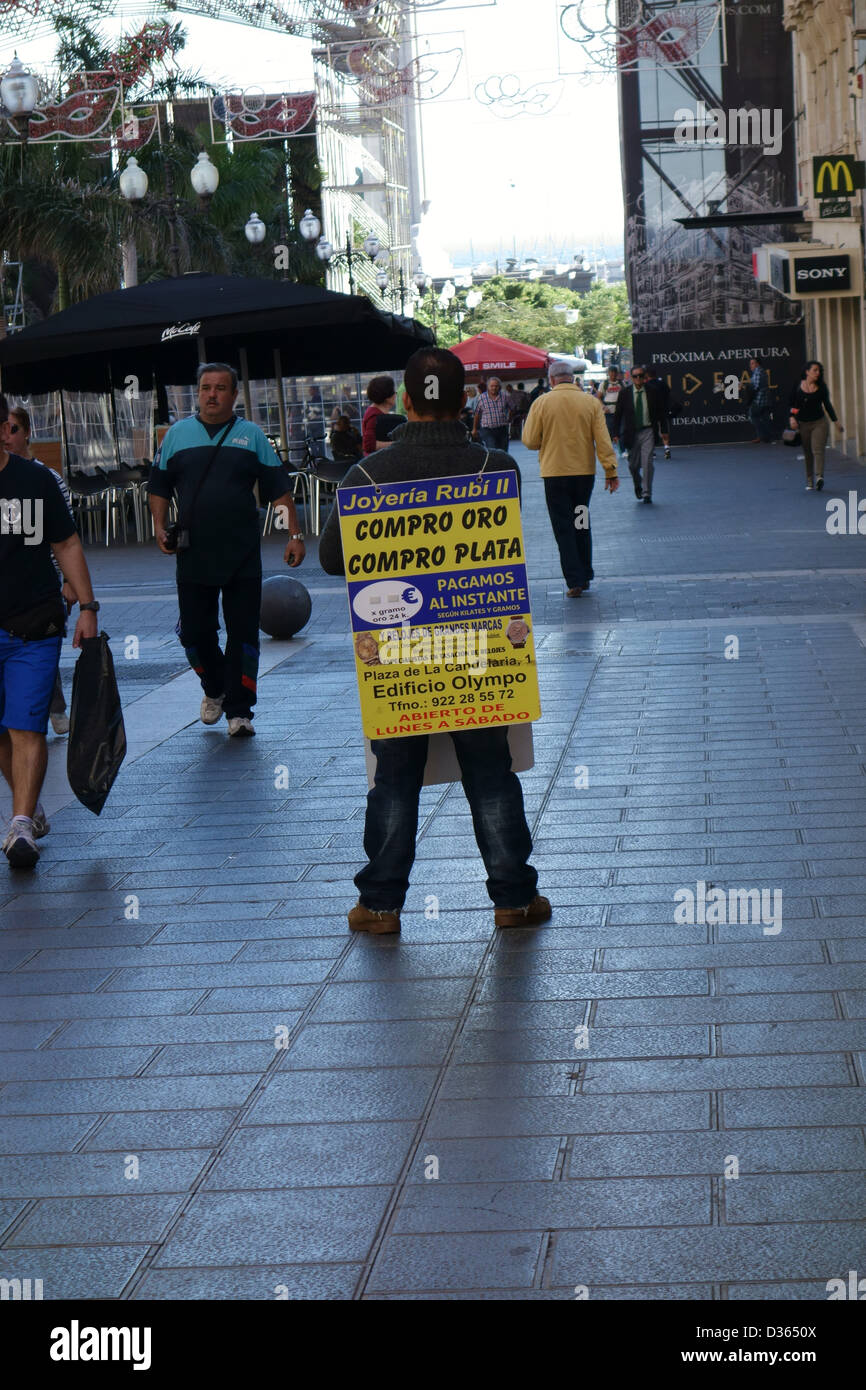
x,y
225,541
33,516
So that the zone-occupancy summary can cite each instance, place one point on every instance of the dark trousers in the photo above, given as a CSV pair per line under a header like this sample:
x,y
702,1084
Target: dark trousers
x,y
232,673
495,798
494,438
763,421
563,495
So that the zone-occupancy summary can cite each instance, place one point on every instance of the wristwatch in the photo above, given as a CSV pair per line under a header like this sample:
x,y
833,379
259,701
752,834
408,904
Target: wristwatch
x,y
92,607
298,536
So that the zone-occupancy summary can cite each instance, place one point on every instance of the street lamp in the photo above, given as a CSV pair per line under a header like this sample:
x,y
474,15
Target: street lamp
x,y
371,247
255,230
309,226
133,186
394,292
19,93
19,89
204,176
133,181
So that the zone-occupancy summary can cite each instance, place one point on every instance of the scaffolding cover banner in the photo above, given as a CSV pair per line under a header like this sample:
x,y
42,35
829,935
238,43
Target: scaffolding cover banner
x,y
439,604
705,372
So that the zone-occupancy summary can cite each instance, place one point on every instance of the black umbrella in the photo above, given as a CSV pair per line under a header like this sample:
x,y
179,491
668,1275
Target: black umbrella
x,y
164,329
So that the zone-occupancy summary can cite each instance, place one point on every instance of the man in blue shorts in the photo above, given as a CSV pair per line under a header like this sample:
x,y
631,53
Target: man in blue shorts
x,y
34,522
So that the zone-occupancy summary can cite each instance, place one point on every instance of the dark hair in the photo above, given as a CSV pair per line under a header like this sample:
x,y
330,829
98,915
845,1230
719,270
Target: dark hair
x,y
813,362
380,389
520,385
4,410
216,367
450,376
339,420
755,357
22,417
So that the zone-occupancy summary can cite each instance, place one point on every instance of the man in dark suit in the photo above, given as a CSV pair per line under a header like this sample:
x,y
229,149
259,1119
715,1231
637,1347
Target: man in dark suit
x,y
638,421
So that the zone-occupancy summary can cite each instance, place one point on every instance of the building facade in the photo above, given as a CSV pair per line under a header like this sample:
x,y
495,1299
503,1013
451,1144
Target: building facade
x,y
829,43
707,113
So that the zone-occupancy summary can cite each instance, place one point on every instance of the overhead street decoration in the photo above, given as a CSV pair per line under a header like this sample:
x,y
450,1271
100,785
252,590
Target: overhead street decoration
x,y
245,116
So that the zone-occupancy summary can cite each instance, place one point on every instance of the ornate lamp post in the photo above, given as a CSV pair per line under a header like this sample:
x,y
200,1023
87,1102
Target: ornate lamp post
x,y
133,182
371,248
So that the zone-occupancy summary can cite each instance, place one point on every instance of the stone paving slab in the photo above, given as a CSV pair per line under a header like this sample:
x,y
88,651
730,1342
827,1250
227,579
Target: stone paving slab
x,y
317,1116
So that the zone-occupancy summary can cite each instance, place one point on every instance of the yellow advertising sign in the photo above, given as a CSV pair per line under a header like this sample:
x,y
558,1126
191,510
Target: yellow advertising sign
x,y
439,603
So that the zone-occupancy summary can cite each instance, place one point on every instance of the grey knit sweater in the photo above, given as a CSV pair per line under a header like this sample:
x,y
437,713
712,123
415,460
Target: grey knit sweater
x,y
421,449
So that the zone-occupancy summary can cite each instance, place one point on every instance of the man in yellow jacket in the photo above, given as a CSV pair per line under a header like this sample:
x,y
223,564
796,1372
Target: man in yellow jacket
x,y
568,429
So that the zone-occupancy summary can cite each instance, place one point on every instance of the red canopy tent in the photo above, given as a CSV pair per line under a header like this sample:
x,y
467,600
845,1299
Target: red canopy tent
x,y
488,354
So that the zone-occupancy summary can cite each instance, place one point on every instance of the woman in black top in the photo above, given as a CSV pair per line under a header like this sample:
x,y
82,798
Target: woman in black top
x,y
809,401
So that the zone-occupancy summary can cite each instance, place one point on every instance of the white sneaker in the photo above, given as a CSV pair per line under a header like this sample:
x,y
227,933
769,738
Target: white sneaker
x,y
244,727
211,711
667,453
60,722
40,822
19,845
808,487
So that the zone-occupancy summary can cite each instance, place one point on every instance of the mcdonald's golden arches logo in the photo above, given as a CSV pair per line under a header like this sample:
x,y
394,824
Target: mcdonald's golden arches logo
x,y
836,174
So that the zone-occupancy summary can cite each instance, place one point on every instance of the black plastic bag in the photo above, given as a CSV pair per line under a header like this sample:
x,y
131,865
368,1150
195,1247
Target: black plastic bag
x,y
97,738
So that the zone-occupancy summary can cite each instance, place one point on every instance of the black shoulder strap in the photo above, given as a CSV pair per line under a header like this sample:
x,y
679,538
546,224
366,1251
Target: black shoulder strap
x,y
198,487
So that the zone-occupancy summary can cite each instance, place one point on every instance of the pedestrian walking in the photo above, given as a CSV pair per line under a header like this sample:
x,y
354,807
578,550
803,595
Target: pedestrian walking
x,y
20,430
539,389
36,526
382,395
657,385
434,444
810,408
490,421
211,462
567,428
637,422
759,406
609,396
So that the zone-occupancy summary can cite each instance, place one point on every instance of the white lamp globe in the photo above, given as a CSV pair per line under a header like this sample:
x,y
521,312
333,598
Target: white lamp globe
x,y
255,230
204,176
133,181
309,226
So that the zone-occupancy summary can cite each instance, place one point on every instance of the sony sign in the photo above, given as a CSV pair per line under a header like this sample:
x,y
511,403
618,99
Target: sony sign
x,y
821,274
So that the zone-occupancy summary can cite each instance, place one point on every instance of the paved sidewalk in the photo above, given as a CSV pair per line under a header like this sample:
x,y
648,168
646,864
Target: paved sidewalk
x,y
438,1125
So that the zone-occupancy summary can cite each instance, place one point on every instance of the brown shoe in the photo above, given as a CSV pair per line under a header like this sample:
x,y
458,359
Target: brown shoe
x,y
377,923
574,593
538,910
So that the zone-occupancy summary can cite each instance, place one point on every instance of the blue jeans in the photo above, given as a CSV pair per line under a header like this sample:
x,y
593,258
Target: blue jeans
x,y
495,798
494,438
